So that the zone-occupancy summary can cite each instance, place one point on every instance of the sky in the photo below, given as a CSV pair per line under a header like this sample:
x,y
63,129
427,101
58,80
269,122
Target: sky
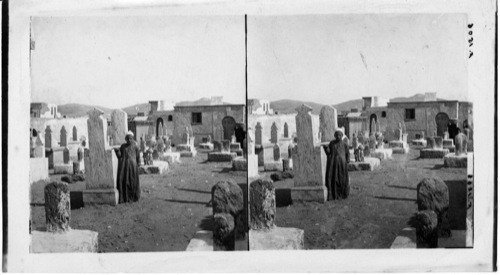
x,y
117,62
334,58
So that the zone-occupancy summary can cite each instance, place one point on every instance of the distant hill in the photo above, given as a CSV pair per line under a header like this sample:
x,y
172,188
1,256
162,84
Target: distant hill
x,y
287,106
79,110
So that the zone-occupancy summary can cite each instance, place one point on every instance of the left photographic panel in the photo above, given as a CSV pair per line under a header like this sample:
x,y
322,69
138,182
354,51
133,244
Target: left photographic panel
x,y
137,134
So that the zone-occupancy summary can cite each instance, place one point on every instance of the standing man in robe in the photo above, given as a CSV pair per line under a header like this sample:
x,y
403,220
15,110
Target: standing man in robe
x,y
128,171
337,178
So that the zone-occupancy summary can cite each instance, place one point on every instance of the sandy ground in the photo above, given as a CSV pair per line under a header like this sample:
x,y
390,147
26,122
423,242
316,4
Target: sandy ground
x,y
173,206
379,206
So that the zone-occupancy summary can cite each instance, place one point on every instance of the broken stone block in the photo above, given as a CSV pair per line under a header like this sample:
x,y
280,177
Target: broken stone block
x,y
224,232
57,207
433,194
227,197
262,204
427,228
240,164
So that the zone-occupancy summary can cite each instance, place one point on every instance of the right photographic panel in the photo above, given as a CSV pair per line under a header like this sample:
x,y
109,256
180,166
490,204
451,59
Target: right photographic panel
x,y
360,132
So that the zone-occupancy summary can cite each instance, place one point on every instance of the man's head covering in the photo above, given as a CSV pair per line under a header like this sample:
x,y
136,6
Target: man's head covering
x,y
339,132
130,134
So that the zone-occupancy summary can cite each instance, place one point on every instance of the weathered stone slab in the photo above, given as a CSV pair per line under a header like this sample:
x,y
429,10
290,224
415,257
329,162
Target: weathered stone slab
x,y
188,154
217,146
170,157
39,169
287,164
258,134
158,167
206,146
78,167
63,138
369,164
448,143
401,151
262,204
397,144
119,126
70,241
432,194
57,207
277,238
273,165
419,142
452,160
274,133
406,239
327,123
309,193
202,241
61,168
224,232
429,153
221,156
227,197
225,146
380,153
239,164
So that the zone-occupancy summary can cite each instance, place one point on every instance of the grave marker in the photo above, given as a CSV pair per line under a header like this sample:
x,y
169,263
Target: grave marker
x,y
119,127
48,137
327,123
63,138
258,134
274,133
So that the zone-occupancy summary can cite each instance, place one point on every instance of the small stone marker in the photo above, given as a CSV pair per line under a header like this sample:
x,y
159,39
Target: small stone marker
x,y
217,146
285,130
57,207
48,137
439,142
431,142
276,152
460,144
66,155
262,204
225,146
258,134
327,123
75,134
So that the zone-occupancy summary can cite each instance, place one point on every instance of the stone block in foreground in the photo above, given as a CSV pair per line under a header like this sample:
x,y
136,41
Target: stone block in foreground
x,y
453,161
221,156
69,241
369,164
277,238
239,164
430,153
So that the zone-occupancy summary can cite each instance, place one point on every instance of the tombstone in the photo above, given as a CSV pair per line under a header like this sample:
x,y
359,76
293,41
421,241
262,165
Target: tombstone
x,y
276,152
155,154
57,207
461,144
39,149
160,146
309,161
217,146
66,155
290,150
142,145
258,134
327,123
48,137
439,142
63,138
431,142
101,165
119,127
446,135
250,142
399,134
433,194
372,142
168,145
380,139
80,153
75,134
285,130
274,133
225,148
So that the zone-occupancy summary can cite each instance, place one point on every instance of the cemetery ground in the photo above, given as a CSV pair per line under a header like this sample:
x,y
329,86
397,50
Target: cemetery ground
x,y
172,208
380,204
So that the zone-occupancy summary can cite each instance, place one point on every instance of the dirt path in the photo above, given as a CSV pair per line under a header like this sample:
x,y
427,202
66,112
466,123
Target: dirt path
x,y
379,206
173,206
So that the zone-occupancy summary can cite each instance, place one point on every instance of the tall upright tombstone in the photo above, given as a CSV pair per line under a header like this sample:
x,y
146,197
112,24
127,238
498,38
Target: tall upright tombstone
x,y
63,142
258,134
119,126
101,164
327,123
285,130
274,133
48,137
309,161
75,134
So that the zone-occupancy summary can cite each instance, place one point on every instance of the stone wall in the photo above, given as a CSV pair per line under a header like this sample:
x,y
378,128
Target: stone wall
x,y
40,124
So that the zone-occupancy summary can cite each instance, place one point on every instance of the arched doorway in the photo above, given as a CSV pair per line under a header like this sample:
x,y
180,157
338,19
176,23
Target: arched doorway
x,y
159,127
442,120
228,126
373,123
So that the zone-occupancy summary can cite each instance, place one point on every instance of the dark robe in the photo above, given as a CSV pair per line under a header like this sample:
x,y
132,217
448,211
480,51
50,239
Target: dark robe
x,y
337,179
128,172
452,130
